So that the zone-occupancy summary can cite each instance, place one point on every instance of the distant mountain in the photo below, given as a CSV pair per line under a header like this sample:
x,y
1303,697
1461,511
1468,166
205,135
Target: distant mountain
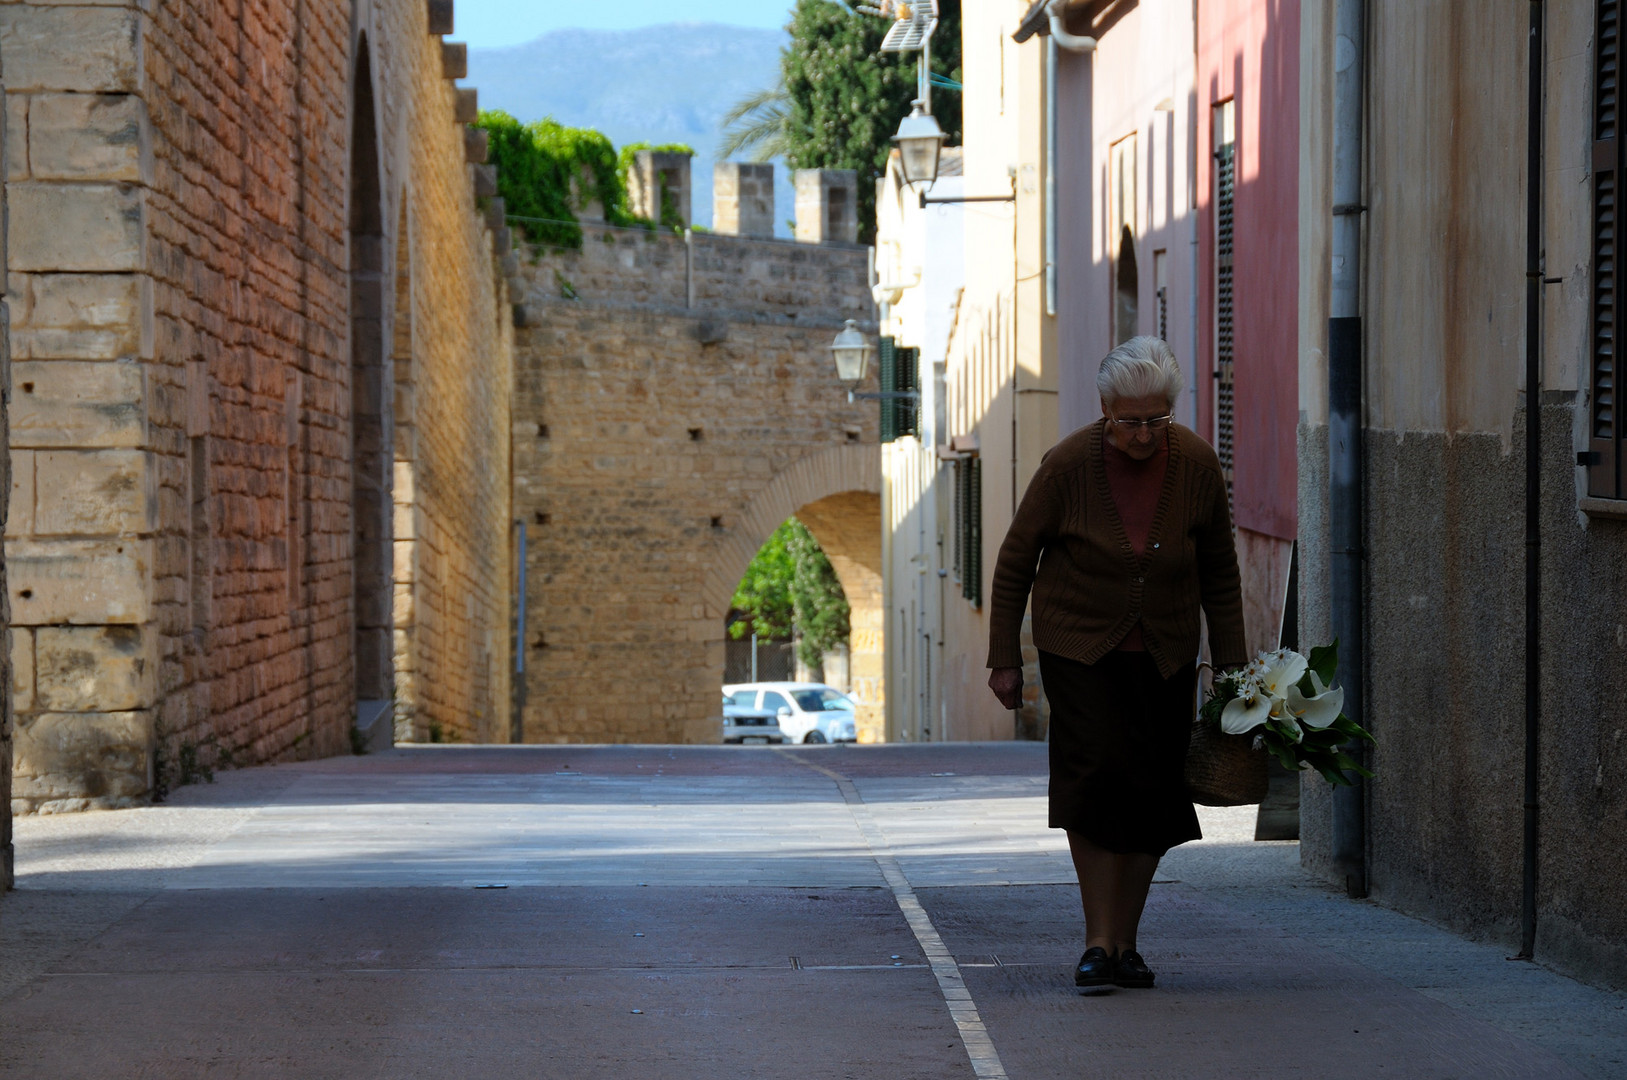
x,y
660,84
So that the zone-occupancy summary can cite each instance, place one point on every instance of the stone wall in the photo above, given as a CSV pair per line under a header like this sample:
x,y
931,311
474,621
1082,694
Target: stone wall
x,y
210,211
6,681
452,351
657,445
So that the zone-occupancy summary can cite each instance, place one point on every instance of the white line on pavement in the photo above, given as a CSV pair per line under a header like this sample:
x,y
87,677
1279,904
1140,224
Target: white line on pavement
x,y
973,1035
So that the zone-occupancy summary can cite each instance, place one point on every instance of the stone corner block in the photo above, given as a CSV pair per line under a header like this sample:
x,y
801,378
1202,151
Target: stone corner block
x,y
89,137
93,493
76,227
101,757
94,668
79,582
83,49
22,669
85,317
59,404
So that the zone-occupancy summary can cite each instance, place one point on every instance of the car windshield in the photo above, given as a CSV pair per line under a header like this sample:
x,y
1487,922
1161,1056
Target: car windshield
x,y
822,701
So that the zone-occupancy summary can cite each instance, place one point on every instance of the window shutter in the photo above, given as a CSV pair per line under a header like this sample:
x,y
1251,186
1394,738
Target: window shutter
x,y
971,578
1225,368
888,357
1604,443
969,528
907,414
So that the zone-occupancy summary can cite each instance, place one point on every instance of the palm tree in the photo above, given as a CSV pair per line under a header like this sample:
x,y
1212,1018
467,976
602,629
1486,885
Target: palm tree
x,y
758,125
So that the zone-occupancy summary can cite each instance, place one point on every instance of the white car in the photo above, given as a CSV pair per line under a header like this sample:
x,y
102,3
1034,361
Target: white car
x,y
746,723
808,712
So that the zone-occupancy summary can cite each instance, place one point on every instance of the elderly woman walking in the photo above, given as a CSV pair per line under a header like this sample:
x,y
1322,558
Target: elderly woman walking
x,y
1124,532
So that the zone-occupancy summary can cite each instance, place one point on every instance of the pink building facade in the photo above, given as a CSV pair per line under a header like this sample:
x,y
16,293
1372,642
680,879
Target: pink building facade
x,y
1176,214
1247,117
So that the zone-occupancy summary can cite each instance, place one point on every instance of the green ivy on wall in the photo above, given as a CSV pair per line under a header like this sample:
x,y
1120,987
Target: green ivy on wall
x,y
545,170
671,216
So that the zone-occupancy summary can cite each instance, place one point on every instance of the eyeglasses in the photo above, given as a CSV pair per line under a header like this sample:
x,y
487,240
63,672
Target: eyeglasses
x,y
1157,423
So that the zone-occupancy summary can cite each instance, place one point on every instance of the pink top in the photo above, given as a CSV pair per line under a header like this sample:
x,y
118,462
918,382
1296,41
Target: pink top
x,y
1136,486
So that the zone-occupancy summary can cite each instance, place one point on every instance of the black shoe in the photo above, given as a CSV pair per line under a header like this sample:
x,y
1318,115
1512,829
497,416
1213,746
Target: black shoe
x,y
1095,968
1131,972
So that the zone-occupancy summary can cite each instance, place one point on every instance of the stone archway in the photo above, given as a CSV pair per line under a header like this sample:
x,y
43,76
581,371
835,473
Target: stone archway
x,y
837,495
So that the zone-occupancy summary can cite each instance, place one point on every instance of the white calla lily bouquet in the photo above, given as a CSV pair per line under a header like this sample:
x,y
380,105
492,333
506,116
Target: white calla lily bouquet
x,y
1289,701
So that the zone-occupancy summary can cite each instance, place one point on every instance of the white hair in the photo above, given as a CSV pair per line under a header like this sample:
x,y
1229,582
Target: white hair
x,y
1142,367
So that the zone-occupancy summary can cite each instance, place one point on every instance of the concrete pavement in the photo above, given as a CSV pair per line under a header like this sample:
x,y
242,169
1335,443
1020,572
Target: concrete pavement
x,y
891,912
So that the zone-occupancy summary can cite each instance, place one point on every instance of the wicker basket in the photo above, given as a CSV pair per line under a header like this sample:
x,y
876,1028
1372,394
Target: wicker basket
x,y
1222,769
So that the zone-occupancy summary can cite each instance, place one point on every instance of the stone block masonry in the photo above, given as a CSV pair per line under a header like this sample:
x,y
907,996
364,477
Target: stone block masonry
x,y
263,377
10,691
657,446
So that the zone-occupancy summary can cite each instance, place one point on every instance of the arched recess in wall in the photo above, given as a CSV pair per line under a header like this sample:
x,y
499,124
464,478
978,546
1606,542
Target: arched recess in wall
x,y
837,495
370,399
404,565
1126,292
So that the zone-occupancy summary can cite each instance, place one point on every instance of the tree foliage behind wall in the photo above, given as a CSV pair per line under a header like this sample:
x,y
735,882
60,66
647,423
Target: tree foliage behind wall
x,y
847,97
791,589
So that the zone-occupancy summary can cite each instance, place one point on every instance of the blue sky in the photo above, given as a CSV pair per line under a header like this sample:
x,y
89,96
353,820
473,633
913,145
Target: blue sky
x,y
492,23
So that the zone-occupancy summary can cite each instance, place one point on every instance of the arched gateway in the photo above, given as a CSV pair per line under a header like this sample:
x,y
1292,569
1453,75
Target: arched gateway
x,y
836,493
675,403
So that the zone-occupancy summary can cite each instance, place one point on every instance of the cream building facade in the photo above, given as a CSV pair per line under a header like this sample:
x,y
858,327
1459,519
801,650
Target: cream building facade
x,y
988,372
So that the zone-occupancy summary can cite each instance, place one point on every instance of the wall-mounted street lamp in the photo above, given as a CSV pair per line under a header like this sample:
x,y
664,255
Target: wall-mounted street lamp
x,y
919,140
851,352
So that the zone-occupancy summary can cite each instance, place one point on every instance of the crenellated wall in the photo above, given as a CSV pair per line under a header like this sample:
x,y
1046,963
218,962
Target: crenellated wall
x,y
676,402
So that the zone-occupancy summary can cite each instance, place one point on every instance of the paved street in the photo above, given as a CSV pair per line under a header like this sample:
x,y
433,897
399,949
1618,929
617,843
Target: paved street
x,y
885,912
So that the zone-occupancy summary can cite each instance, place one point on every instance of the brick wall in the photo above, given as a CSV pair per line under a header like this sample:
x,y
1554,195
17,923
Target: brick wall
x,y
197,286
657,445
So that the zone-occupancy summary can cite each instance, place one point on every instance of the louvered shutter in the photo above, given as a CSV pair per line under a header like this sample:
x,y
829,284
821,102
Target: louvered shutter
x,y
888,359
1604,444
969,531
907,413
1225,365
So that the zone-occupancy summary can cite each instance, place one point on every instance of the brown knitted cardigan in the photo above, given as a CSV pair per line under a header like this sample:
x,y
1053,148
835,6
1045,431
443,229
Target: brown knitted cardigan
x,y
1091,587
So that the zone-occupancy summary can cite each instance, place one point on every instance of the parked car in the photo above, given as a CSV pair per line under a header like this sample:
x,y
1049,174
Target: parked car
x,y
807,712
746,723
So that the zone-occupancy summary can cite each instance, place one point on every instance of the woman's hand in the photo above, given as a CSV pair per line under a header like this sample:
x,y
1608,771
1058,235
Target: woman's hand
x,y
1007,684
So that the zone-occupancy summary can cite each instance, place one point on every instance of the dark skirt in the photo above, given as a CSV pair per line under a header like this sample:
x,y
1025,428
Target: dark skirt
x,y
1119,733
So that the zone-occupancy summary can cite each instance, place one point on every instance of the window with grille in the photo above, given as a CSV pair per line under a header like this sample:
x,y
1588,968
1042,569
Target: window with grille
x,y
1603,455
969,528
1225,136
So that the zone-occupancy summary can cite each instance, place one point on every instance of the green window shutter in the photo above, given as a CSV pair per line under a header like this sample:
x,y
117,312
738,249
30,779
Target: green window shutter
x,y
960,520
889,382
971,579
1603,455
908,413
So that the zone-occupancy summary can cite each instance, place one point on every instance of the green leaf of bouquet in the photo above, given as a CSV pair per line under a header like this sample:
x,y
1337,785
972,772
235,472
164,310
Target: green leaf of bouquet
x,y
1334,777
1347,762
1324,660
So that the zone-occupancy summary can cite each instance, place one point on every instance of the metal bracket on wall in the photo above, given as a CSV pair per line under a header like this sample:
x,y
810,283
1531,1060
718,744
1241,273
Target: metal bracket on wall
x,y
966,198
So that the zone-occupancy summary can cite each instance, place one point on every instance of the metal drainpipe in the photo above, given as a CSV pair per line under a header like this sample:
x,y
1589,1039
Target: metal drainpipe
x,y
1050,175
1058,38
1533,483
1345,426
